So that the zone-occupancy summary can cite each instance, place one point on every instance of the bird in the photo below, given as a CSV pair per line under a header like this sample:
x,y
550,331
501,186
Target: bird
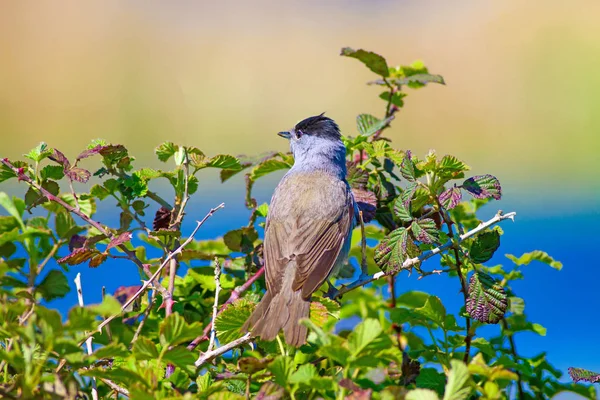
x,y
307,231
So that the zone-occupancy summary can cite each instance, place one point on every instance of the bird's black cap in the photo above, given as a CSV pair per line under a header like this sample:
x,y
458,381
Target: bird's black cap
x,y
320,126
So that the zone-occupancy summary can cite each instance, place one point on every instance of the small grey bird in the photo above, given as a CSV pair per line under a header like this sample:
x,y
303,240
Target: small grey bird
x,y
308,229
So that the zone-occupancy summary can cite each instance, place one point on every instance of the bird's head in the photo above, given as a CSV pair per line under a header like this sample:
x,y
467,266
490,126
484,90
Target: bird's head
x,y
313,134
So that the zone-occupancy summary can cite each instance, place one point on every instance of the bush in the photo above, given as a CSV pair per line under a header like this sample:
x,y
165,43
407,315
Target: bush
x,y
178,335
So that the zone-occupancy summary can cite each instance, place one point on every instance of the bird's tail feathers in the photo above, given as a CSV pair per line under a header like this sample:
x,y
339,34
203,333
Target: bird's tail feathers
x,y
281,311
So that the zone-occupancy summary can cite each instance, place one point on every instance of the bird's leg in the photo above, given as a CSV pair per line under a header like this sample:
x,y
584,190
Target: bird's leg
x,y
331,290
364,268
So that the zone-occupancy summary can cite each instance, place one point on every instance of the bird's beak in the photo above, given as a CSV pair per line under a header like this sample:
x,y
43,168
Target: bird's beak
x,y
285,135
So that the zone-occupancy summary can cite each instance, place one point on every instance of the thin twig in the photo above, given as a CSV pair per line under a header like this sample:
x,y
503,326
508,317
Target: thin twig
x,y
210,355
211,342
88,342
500,216
159,270
51,254
108,332
235,294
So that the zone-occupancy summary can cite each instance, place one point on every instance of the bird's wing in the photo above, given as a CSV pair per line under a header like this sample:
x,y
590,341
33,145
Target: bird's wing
x,y
320,243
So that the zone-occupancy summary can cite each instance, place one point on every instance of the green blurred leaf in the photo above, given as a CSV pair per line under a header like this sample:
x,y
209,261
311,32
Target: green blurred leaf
x,y
457,387
304,374
535,255
181,357
54,285
363,335
109,306
38,153
367,124
282,368
421,394
54,172
145,349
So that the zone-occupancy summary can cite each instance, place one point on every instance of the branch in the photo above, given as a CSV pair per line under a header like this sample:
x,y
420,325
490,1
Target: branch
x,y
115,387
235,294
363,280
159,270
210,355
513,350
216,304
88,342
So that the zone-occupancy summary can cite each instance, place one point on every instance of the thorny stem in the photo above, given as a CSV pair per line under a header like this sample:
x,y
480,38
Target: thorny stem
x,y
463,284
363,280
145,316
513,349
88,342
210,355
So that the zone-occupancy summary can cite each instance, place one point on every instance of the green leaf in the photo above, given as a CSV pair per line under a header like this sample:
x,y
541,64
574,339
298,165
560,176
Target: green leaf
x,y
397,97
181,357
535,255
229,322
487,300
166,151
268,166
111,350
54,285
451,167
517,305
224,161
282,368
145,349
402,210
65,225
373,61
262,210
433,310
174,330
363,335
304,374
484,246
420,78
580,374
430,378
421,394
457,387
367,124
413,299
38,153
12,208
241,239
483,187
54,172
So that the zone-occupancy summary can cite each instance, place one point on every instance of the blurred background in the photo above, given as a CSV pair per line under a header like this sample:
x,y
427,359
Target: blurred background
x,y
521,102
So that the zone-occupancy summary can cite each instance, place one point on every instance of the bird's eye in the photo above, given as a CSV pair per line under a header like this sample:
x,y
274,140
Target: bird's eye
x,y
299,134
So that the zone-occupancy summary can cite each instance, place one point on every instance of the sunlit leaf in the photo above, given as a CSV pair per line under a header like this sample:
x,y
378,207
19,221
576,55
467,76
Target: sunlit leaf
x,y
483,186
373,61
535,255
487,301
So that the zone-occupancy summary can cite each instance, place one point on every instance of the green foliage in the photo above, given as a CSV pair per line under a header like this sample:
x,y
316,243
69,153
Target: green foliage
x,y
410,347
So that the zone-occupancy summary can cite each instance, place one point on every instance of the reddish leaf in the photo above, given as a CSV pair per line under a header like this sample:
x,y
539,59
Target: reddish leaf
x,y
102,150
76,242
119,240
270,391
483,186
78,174
124,293
450,198
61,159
78,256
367,203
161,219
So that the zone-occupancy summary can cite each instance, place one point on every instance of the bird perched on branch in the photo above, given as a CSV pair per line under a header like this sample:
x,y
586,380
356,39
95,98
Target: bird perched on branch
x,y
308,229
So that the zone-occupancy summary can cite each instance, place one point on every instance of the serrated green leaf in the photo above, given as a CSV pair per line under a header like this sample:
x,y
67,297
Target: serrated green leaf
x,y
457,387
12,208
54,285
268,166
450,198
181,357
39,153
535,255
54,172
229,322
111,350
224,161
433,310
484,246
407,168
373,61
487,301
109,306
166,151
394,250
304,374
517,305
